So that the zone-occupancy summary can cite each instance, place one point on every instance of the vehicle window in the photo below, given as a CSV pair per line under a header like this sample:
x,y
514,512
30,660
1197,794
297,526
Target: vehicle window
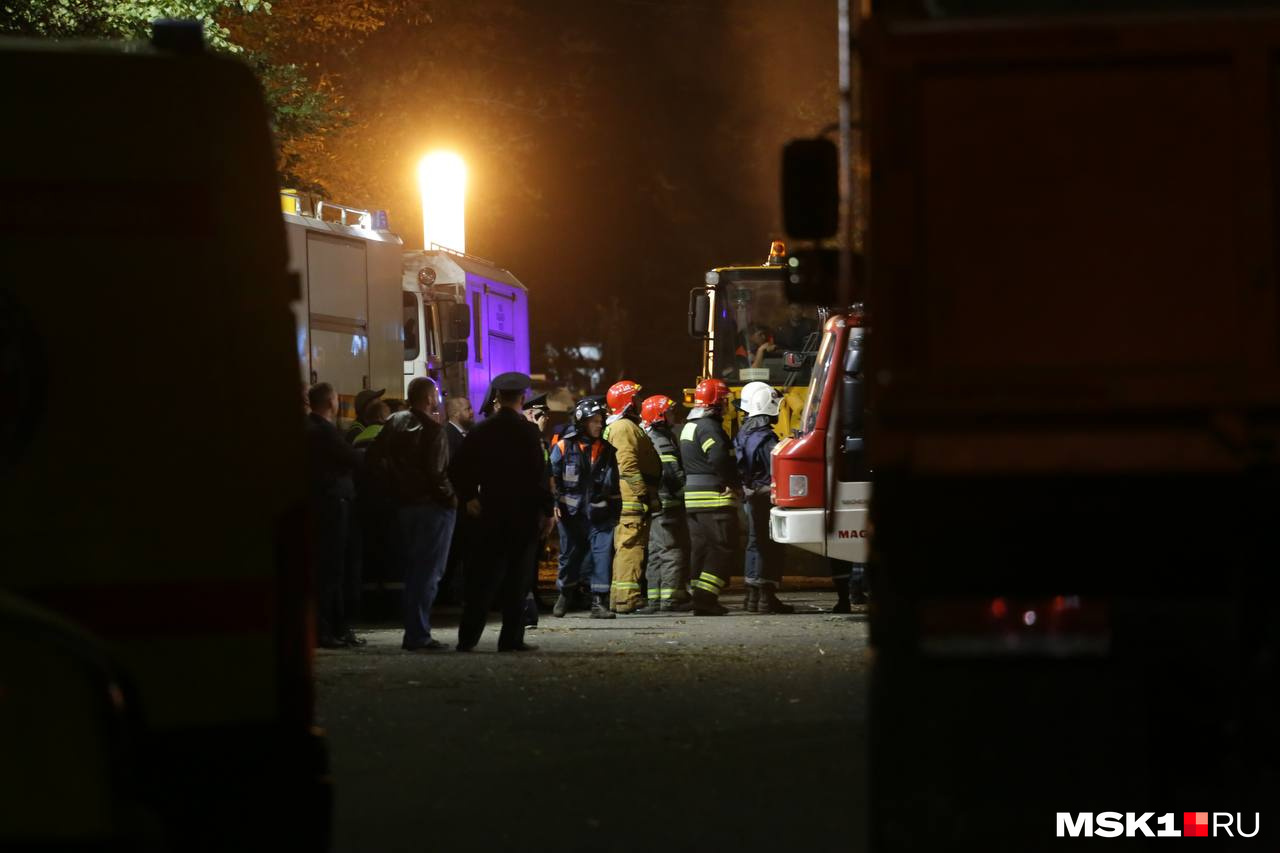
x,y
826,355
412,340
748,308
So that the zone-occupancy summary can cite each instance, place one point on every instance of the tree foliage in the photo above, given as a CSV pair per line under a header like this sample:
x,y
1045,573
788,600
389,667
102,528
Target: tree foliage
x,y
120,19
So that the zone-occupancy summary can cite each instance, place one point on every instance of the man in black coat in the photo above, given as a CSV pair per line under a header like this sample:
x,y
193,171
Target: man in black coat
x,y
500,477
330,465
414,453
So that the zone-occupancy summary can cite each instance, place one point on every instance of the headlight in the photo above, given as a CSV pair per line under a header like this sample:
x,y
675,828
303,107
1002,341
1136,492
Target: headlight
x,y
798,485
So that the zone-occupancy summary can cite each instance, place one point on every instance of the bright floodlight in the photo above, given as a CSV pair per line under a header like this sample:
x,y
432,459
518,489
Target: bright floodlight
x,y
442,180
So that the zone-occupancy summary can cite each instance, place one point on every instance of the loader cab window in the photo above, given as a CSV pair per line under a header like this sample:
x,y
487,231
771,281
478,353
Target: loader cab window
x,y
744,303
412,332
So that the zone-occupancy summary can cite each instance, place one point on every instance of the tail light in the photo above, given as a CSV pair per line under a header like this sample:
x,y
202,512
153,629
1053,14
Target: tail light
x,y
1061,626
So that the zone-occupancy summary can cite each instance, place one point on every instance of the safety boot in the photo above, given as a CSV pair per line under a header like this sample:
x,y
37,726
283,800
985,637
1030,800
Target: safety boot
x,y
706,604
651,606
562,604
770,603
600,607
842,596
683,605
751,599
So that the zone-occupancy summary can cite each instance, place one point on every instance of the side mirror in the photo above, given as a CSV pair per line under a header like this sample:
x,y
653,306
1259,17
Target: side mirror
x,y
794,360
459,324
851,404
455,352
813,276
811,189
699,313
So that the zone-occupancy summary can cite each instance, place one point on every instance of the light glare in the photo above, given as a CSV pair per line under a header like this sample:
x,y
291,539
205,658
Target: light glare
x,y
442,181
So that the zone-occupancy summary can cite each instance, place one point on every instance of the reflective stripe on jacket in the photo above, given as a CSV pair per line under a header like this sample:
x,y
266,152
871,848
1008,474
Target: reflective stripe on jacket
x,y
671,487
585,473
711,473
639,469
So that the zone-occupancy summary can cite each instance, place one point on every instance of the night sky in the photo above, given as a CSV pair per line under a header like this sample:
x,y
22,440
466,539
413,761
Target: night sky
x,y
617,148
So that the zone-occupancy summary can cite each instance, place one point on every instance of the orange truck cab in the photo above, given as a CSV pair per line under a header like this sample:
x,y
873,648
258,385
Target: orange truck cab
x,y
155,596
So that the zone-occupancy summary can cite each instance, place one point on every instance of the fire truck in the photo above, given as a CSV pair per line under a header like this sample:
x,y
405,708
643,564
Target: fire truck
x,y
721,313
821,485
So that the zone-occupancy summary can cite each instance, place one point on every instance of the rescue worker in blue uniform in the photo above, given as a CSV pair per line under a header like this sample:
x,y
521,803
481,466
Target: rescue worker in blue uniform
x,y
754,446
584,471
500,479
712,496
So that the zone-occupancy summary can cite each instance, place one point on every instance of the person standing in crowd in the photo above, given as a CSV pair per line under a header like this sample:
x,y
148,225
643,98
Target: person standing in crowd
x,y
414,453
850,582
500,474
667,571
330,465
795,332
639,471
363,399
753,446
711,497
584,471
537,412
461,419
367,534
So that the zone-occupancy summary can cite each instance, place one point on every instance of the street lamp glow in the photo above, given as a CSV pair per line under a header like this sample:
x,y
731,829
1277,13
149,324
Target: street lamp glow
x,y
442,180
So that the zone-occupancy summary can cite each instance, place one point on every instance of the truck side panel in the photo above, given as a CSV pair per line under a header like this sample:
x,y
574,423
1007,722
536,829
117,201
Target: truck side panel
x,y
386,316
500,332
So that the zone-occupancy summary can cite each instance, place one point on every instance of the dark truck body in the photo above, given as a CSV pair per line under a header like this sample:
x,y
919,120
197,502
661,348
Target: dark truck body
x,y
154,485
1074,397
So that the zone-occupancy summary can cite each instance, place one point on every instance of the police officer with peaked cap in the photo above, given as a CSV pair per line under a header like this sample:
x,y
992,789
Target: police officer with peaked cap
x,y
500,479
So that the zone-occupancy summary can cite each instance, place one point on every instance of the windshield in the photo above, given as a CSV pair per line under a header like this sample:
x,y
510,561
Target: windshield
x,y
755,327
809,418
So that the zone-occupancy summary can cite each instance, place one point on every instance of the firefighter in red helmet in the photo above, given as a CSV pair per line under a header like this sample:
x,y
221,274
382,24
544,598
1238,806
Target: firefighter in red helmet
x,y
639,471
711,496
667,571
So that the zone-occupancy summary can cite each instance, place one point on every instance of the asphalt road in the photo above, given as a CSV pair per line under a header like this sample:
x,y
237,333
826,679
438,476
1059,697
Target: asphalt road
x,y
668,732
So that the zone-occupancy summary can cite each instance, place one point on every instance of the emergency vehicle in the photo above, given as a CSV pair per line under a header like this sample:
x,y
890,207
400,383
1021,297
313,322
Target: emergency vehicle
x,y
721,312
371,315
155,611
821,490
348,316
466,320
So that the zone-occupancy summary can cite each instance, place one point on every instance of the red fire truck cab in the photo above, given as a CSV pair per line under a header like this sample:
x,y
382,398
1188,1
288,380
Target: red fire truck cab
x,y
821,488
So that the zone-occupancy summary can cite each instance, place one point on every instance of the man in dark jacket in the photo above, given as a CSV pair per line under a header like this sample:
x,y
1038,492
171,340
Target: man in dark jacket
x,y
330,465
754,446
712,496
500,474
413,452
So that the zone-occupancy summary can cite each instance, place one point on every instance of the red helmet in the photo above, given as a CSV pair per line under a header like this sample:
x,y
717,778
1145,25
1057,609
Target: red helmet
x,y
710,394
621,396
653,409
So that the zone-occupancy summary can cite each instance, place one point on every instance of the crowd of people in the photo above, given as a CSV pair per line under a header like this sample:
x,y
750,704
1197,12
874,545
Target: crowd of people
x,y
647,515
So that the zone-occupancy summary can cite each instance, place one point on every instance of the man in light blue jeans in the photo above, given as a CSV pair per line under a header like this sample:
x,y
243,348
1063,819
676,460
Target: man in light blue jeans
x,y
412,452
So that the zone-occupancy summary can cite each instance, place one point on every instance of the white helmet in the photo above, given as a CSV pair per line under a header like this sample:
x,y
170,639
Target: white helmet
x,y
760,398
